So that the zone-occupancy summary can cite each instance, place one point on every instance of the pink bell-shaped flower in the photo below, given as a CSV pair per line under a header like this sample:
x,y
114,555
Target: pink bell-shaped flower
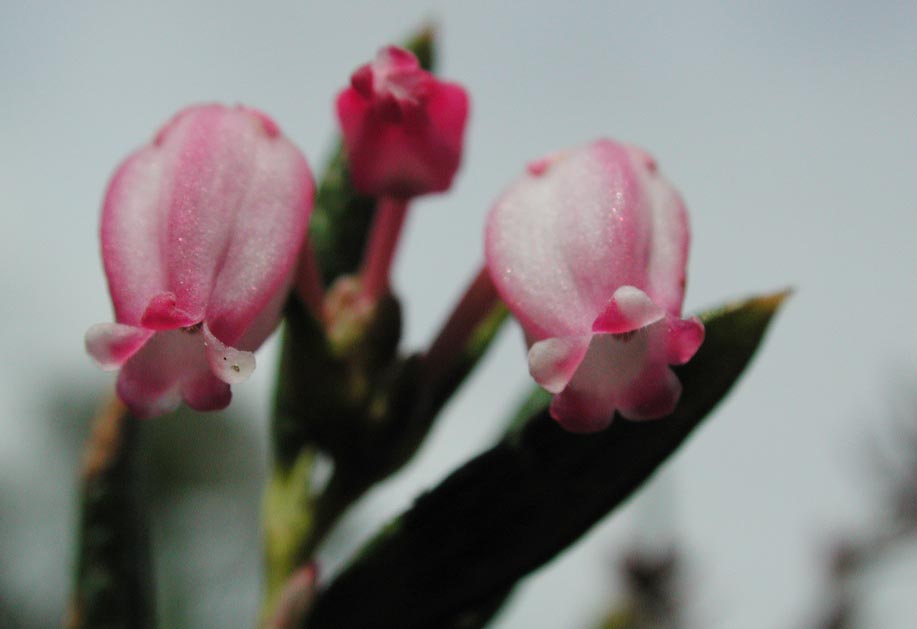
x,y
402,127
201,230
588,249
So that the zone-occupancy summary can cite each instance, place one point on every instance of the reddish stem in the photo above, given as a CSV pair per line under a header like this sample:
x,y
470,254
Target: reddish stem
x,y
380,250
476,304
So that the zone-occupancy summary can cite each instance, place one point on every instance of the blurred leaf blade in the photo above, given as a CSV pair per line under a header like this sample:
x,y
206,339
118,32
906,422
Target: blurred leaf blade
x,y
486,526
113,572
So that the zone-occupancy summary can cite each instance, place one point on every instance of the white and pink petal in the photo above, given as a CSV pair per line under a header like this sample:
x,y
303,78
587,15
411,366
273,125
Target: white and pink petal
x,y
112,344
553,361
229,364
150,382
685,337
628,309
206,392
269,227
668,252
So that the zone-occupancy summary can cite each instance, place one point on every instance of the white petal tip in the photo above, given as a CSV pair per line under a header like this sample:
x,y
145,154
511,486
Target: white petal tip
x,y
232,366
229,364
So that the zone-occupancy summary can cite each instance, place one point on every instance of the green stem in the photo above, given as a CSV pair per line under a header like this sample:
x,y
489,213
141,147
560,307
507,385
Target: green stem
x,y
297,521
288,518
113,566
313,390
338,495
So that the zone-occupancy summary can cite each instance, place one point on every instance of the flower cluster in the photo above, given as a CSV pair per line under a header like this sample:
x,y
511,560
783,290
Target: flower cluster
x,y
204,235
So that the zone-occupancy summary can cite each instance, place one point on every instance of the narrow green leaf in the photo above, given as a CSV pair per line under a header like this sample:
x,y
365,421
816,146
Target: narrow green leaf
x,y
112,586
464,544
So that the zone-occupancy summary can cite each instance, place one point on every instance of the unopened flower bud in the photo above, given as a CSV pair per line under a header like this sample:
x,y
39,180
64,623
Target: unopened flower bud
x,y
402,127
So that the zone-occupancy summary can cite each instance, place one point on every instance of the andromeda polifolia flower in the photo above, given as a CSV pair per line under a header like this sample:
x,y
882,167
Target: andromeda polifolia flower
x,y
588,250
200,231
402,127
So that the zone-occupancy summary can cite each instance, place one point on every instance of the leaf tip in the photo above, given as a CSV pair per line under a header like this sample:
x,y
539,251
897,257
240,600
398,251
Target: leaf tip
x,y
426,33
423,43
773,301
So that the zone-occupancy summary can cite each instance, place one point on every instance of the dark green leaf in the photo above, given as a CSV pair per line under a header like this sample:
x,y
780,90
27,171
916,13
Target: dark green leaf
x,y
508,511
113,564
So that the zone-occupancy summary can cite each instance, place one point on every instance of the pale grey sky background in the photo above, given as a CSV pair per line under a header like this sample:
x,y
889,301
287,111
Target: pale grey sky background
x,y
790,128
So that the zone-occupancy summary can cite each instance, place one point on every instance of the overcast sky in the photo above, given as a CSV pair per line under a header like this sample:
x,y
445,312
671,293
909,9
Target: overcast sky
x,y
789,127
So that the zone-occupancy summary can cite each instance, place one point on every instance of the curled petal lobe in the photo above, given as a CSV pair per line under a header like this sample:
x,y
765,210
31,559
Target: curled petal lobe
x,y
112,344
591,244
164,314
229,364
201,232
552,362
629,309
684,339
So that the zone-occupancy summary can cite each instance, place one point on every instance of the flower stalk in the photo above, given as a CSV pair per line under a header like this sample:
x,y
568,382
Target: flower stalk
x,y
475,306
382,247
